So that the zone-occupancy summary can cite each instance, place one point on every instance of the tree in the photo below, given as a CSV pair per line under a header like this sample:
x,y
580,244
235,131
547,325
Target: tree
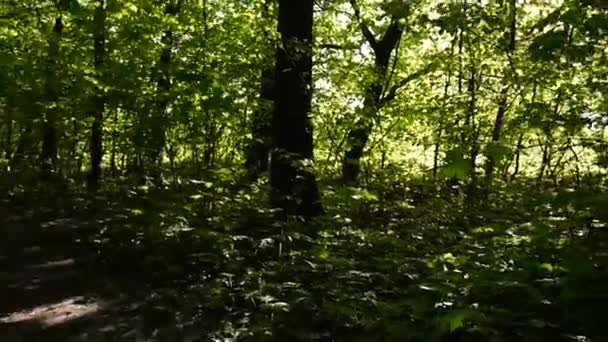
x,y
158,120
98,99
292,181
382,49
494,152
53,92
258,153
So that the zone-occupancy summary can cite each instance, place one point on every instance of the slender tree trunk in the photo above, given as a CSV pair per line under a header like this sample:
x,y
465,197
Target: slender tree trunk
x,y
11,111
441,119
496,134
518,155
22,145
72,152
8,140
359,134
545,162
49,140
470,123
212,132
554,171
463,133
546,147
520,141
577,170
293,184
113,164
460,48
258,152
158,122
98,101
208,122
502,105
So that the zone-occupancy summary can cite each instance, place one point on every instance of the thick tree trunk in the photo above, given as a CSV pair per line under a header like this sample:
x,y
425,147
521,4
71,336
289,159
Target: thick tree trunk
x,y
258,152
49,139
293,184
98,101
357,139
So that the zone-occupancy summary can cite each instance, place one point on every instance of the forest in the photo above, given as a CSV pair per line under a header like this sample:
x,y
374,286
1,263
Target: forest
x,y
303,170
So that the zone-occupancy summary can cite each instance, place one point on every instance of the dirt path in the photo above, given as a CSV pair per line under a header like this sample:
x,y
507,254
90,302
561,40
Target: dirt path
x,y
49,289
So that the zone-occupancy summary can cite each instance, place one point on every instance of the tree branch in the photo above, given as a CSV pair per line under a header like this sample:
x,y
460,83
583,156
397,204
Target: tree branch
x,y
395,88
392,35
369,36
333,46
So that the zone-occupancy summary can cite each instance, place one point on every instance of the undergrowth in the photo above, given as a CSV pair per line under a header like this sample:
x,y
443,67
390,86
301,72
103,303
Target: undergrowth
x,y
403,261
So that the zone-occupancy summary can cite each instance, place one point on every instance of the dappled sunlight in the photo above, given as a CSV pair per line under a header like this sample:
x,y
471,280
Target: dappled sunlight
x,y
60,312
53,264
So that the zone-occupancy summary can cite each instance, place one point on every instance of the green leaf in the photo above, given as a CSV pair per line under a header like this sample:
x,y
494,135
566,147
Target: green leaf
x,y
322,253
456,166
456,319
497,150
545,46
131,7
597,25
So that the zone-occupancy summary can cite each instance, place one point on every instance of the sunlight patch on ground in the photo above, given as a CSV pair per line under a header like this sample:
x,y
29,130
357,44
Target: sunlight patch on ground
x,y
51,264
57,313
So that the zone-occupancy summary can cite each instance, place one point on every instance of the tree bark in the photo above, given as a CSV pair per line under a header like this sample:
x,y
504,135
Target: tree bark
x,y
359,134
292,181
98,101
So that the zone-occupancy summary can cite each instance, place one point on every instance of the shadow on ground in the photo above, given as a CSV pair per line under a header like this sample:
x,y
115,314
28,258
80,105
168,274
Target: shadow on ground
x,y
50,290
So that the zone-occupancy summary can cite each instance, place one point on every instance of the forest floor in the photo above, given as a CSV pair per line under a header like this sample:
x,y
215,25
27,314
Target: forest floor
x,y
49,289
396,264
